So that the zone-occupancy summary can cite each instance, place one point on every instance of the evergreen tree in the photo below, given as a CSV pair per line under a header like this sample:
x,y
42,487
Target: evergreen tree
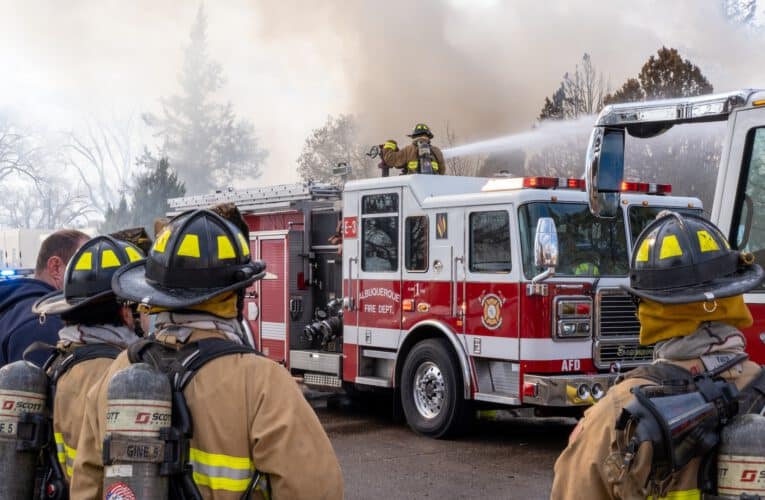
x,y
150,192
208,145
663,76
667,75
631,91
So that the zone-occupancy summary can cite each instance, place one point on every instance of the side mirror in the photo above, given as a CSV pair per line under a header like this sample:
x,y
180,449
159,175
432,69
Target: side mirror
x,y
545,248
604,171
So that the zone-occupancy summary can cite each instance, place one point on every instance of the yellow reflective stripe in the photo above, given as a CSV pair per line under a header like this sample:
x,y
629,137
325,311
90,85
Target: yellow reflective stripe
x,y
645,247
225,248
243,242
65,453
161,243
221,483
412,165
221,472
670,247
60,450
219,460
132,254
434,166
706,242
390,145
109,259
85,262
189,247
681,495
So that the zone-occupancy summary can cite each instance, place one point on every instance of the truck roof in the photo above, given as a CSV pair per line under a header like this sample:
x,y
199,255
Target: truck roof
x,y
452,191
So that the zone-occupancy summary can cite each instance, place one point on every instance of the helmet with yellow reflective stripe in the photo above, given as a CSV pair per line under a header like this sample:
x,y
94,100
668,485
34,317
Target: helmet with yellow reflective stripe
x,y
88,277
680,259
197,256
421,129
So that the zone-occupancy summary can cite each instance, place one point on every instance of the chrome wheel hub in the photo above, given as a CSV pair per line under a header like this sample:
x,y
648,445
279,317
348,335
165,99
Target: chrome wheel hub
x,y
428,390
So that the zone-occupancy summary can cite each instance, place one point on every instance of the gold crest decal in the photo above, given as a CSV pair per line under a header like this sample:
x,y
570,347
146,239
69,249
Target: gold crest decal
x,y
492,310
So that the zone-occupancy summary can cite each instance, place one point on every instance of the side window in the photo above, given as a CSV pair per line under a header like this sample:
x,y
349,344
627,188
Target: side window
x,y
490,242
416,243
748,228
379,232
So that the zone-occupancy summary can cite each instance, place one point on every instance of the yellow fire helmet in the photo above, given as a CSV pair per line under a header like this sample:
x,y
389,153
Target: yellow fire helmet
x,y
88,276
680,259
197,256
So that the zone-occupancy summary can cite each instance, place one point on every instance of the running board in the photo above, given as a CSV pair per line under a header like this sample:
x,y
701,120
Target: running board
x,y
496,398
375,381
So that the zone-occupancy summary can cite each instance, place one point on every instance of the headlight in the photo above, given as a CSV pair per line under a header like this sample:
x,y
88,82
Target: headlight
x,y
573,317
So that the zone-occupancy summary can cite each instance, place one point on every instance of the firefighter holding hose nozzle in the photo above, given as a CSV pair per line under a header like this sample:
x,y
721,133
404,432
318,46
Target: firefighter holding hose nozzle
x,y
419,157
689,425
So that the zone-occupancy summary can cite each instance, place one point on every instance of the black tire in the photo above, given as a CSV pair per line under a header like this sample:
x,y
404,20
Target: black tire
x,y
439,409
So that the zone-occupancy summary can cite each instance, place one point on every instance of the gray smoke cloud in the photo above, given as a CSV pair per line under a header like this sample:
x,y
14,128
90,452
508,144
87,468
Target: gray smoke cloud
x,y
482,66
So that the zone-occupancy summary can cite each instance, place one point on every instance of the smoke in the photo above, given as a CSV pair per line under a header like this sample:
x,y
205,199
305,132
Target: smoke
x,y
483,67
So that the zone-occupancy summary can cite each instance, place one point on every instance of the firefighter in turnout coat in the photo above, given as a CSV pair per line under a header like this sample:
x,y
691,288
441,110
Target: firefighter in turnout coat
x,y
417,157
97,329
689,286
250,418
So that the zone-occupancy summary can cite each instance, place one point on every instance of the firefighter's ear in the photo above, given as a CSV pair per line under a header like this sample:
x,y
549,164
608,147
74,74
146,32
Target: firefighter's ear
x,y
126,313
56,268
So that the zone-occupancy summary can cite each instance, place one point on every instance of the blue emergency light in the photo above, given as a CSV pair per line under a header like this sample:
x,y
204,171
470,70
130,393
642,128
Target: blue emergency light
x,y
7,272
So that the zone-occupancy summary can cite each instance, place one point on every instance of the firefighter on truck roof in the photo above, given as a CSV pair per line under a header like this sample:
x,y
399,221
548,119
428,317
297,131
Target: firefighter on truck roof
x,y
252,434
96,328
419,157
689,287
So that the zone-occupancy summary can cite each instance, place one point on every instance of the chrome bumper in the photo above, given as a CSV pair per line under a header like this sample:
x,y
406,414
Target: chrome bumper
x,y
566,390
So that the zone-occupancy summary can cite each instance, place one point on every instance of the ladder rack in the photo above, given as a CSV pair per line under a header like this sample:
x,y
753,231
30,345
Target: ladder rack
x,y
259,199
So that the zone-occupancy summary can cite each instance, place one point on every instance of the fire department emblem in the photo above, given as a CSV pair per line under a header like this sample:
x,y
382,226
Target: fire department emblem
x,y
492,310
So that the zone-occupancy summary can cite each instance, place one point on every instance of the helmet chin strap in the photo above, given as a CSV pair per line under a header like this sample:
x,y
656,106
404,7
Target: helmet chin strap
x,y
137,327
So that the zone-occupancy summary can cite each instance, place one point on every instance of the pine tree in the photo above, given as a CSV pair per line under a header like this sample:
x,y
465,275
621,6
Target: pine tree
x,y
207,144
150,192
667,75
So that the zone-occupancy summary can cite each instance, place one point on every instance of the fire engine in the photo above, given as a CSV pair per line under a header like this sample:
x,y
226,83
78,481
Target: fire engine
x,y
447,290
738,208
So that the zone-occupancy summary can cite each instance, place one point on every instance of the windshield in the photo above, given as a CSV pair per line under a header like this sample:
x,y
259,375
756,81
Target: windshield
x,y
587,245
641,216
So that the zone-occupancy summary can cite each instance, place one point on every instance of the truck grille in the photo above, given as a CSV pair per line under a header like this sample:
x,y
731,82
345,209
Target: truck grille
x,y
617,315
617,332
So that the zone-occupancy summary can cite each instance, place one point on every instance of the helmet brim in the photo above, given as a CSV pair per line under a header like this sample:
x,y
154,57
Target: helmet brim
x,y
728,286
129,282
55,303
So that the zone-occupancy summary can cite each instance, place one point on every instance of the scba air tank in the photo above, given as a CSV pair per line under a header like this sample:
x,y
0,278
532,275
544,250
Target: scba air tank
x,y
741,458
139,405
23,389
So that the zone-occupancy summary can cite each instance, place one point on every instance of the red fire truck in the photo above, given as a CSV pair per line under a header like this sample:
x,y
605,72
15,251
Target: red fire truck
x,y
448,290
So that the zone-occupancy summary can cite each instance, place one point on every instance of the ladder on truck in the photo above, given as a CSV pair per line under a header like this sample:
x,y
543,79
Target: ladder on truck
x,y
258,199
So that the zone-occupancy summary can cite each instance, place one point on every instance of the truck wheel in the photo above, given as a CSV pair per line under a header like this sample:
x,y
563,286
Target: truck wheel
x,y
431,390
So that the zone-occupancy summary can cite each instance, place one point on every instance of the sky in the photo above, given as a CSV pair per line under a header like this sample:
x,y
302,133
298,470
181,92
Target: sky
x,y
483,67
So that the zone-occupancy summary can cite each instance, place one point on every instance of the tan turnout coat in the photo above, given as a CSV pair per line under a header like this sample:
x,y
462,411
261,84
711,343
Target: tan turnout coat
x,y
247,413
587,468
408,158
69,407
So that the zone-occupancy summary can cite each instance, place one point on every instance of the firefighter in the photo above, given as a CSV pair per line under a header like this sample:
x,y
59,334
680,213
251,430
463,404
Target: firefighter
x,y
419,157
96,328
689,286
253,431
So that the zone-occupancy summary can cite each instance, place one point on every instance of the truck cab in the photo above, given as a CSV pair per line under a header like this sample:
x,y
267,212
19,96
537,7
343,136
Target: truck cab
x,y
738,208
